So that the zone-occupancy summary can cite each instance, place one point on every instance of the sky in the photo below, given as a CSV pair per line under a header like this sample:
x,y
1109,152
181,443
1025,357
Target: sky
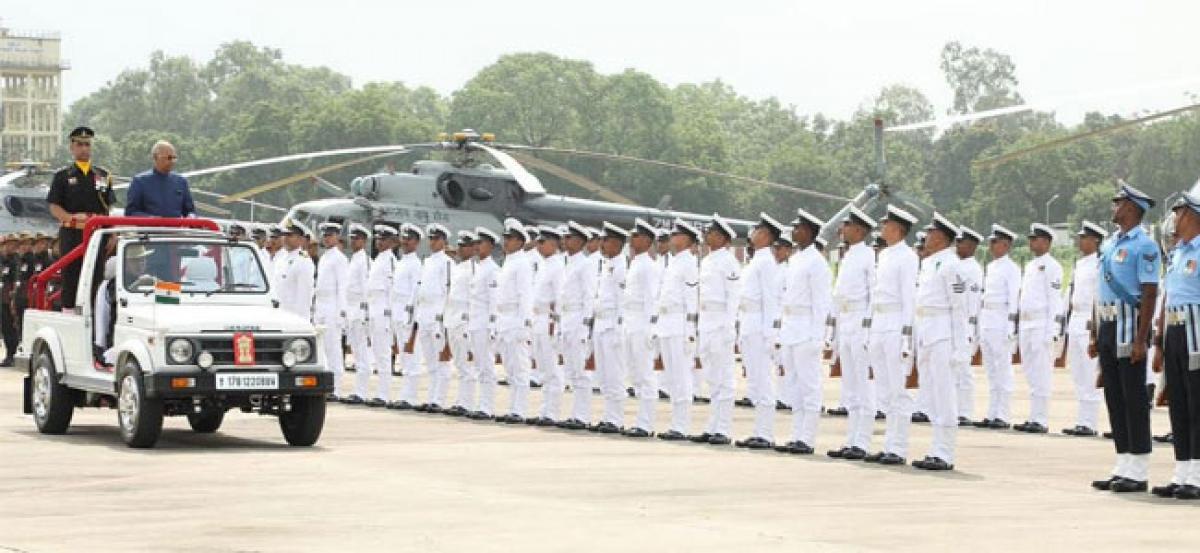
x,y
828,57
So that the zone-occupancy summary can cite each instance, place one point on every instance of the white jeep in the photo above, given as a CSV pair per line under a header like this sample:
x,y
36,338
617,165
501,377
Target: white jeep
x,y
188,325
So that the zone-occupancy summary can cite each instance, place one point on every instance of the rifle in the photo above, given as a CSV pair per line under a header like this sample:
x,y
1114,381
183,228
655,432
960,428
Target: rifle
x,y
412,340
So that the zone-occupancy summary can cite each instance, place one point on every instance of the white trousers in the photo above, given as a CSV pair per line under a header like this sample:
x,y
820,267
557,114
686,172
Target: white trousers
x,y
757,359
891,371
513,347
852,352
937,376
716,356
460,358
545,353
1083,374
802,380
997,362
356,334
638,350
381,349
485,370
331,346
575,351
1036,364
678,366
429,345
408,363
610,370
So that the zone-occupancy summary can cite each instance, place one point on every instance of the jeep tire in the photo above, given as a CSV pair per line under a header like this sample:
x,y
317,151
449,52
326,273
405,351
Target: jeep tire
x,y
302,425
140,417
53,404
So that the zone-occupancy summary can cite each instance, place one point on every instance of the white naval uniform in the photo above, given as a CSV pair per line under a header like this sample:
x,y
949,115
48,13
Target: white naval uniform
x,y
717,330
676,309
1082,301
379,312
547,286
243,266
329,309
480,327
574,305
357,319
606,337
851,298
642,281
972,273
433,287
296,284
514,320
758,310
455,319
403,296
893,307
941,333
1041,303
806,303
1001,294
276,265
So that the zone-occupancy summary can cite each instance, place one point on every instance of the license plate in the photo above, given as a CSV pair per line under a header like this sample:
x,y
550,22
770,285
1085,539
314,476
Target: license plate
x,y
248,381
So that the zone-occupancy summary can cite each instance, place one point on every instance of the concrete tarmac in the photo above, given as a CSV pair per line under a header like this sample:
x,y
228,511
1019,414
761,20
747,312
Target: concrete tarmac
x,y
401,481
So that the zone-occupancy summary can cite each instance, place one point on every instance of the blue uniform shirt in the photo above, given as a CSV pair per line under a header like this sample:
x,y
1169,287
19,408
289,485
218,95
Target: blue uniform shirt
x,y
1182,282
159,195
1127,261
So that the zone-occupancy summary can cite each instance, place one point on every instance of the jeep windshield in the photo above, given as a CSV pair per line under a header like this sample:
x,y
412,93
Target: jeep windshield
x,y
195,267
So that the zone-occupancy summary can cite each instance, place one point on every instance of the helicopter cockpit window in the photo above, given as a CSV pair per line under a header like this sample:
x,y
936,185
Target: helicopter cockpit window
x,y
451,192
27,207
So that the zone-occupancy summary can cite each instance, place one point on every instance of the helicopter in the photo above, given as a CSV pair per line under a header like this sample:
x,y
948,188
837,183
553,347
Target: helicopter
x,y
23,194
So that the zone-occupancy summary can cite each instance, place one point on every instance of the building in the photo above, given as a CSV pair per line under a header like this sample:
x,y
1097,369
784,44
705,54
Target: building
x,y
30,95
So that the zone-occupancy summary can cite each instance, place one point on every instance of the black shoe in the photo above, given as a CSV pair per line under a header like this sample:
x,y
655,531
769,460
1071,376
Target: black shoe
x,y
502,382
891,459
663,395
421,408
880,416
547,422
984,423
838,412
597,391
400,405
854,454
744,402
1165,491
608,428
755,442
631,392
332,398
1167,438
636,432
838,453
1032,428
672,436
572,424
511,418
874,457
1079,430
1107,435
533,421
1125,485
795,447
353,399
998,424
478,416
376,402
434,408
702,438
964,421
698,399
456,411
535,385
1106,484
933,463
781,406
1187,492
918,416
719,439
8,362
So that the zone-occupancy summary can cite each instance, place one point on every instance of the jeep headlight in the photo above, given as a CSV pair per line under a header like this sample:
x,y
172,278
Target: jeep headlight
x,y
180,351
301,350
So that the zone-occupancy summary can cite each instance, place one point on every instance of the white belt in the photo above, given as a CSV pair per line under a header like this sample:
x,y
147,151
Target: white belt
x,y
886,308
1176,317
925,312
995,305
1028,316
751,309
543,309
670,310
571,307
606,314
1108,312
507,308
848,306
712,307
797,310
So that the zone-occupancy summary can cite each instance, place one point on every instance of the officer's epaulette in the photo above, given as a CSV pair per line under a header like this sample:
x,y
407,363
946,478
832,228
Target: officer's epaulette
x,y
100,170
63,169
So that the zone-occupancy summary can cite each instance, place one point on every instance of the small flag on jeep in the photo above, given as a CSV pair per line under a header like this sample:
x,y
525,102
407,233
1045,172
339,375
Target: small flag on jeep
x,y
167,292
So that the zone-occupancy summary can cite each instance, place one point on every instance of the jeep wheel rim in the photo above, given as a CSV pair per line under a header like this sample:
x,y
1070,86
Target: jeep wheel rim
x,y
127,404
41,392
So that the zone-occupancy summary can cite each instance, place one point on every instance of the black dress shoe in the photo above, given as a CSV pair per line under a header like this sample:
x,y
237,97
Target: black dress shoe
x,y
755,442
1167,438
376,402
636,432
502,382
572,424
331,398
1036,428
1106,484
1165,491
1125,485
608,428
631,392
933,463
880,416
672,436
719,439
1085,431
400,405
984,423
744,402
702,438
837,453
998,424
353,399
781,406
456,411
699,399
663,395
478,416
535,385
434,408
964,421
511,418
547,422
838,412
1107,435
795,447
854,454
920,417
891,459
421,408
1188,492
874,457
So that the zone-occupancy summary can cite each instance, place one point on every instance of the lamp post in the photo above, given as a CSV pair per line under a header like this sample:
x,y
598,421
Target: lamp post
x,y
1048,202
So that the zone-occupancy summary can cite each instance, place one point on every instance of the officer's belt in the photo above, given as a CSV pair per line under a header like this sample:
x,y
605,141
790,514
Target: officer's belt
x,y
1124,316
541,309
1031,316
850,306
606,314
713,307
1177,315
995,305
797,310
929,311
670,310
886,308
750,308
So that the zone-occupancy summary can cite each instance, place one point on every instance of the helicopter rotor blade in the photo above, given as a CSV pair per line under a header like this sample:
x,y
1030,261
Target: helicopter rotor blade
x,y
213,209
254,191
1051,144
256,204
677,166
527,180
581,181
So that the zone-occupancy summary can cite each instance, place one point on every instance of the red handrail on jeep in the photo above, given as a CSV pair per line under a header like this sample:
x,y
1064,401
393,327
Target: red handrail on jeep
x,y
37,288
